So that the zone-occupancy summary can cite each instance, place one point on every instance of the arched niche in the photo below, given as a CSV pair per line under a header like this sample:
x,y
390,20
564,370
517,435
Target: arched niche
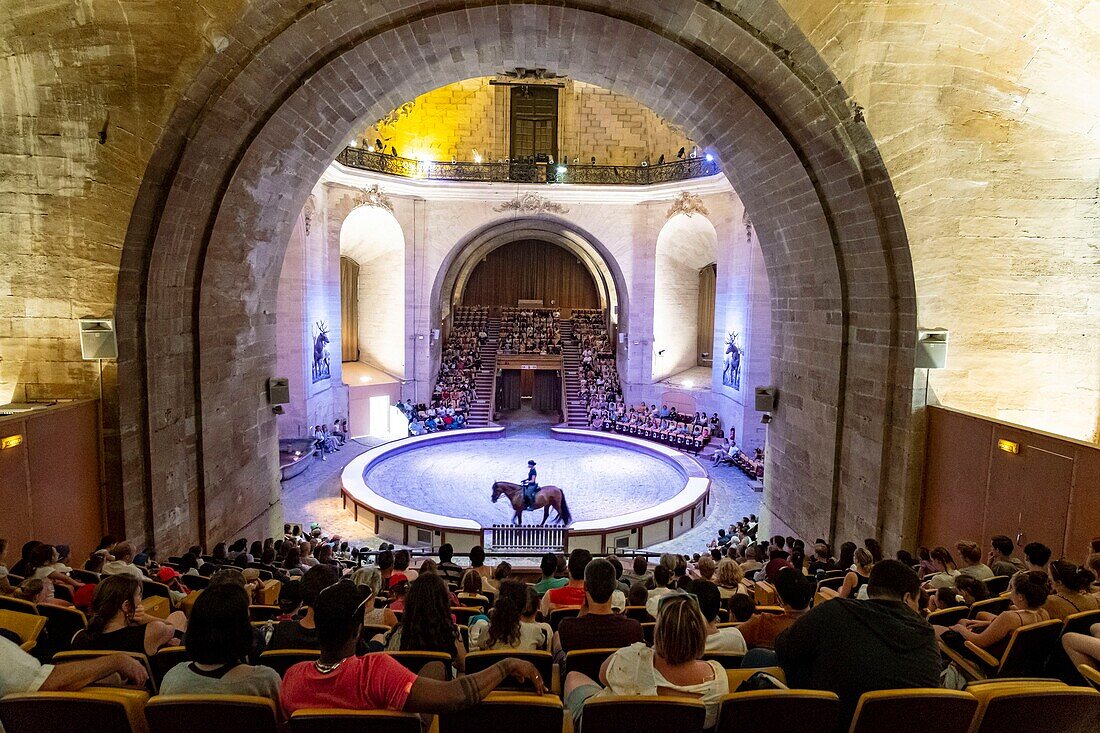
x,y
686,243
372,237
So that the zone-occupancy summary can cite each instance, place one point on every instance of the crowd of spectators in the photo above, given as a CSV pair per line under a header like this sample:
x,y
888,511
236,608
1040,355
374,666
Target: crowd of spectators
x,y
530,331
455,385
848,623
664,424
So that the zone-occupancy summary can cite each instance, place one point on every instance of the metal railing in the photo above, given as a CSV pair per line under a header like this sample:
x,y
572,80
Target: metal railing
x,y
516,172
529,538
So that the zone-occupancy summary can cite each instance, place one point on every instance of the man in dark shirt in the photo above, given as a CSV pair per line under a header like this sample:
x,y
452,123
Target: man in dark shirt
x,y
597,626
302,633
851,647
451,572
777,558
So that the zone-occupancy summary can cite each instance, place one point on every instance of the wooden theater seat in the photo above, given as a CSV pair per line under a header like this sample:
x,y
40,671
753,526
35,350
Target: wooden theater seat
x,y
211,714
542,661
7,603
62,624
330,720
911,711
165,659
507,711
263,613
27,626
642,713
557,614
1091,674
586,661
728,660
948,616
93,710
281,660
990,605
1049,706
77,655
1026,655
415,661
789,711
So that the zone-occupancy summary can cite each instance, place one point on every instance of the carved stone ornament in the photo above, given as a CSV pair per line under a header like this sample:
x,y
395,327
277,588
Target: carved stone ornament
x,y
687,204
532,203
373,196
308,211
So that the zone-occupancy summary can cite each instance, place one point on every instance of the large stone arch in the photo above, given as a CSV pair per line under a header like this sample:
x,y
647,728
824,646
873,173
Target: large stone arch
x,y
271,110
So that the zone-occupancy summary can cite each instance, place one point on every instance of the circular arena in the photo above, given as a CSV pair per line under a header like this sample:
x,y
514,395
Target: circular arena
x,y
621,491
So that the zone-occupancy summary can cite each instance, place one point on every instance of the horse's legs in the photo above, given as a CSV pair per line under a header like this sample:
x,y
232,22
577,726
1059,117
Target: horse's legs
x,y
545,515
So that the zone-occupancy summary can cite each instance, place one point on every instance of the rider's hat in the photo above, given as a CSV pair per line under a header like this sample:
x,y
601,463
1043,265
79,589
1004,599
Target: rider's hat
x,y
530,463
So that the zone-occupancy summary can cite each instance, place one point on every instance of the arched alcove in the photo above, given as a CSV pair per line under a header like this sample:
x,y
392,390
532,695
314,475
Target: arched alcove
x,y
372,237
200,262
686,244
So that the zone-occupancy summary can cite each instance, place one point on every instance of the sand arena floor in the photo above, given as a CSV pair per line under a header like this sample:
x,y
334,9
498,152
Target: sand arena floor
x,y
456,479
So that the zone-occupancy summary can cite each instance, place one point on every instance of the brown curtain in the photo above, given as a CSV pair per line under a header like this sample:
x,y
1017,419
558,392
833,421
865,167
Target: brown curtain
x,y
708,283
349,309
508,390
531,270
547,397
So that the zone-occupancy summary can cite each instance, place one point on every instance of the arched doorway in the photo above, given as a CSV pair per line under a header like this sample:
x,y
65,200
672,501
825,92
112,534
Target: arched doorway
x,y
197,287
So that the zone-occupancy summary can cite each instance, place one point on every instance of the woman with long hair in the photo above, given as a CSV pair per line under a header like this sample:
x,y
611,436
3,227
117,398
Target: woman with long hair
x,y
507,627
847,556
119,623
672,667
1071,586
427,624
730,579
44,564
1028,591
857,578
946,569
292,563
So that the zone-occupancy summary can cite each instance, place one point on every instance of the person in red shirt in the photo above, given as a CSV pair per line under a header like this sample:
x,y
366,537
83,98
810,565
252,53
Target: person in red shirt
x,y
572,593
339,679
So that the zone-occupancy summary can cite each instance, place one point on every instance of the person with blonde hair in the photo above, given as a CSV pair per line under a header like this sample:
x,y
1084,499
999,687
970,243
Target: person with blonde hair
x,y
730,579
857,578
705,567
672,667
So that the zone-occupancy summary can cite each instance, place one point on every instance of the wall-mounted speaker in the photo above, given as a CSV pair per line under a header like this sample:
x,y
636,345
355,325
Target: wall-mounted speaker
x,y
931,349
278,390
435,334
766,398
97,338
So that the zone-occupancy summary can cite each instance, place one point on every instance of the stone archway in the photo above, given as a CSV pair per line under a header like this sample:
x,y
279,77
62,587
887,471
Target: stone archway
x,y
195,456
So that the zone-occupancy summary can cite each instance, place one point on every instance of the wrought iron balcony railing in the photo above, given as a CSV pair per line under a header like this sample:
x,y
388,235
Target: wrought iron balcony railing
x,y
622,175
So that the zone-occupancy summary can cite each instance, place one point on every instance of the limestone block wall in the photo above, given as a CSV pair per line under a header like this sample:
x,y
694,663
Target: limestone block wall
x,y
986,115
455,120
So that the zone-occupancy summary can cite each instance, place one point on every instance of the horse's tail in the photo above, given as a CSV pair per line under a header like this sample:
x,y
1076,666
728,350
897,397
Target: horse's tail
x,y
564,513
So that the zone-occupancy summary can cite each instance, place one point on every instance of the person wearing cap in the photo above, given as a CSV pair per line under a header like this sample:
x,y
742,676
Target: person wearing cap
x,y
340,679
530,486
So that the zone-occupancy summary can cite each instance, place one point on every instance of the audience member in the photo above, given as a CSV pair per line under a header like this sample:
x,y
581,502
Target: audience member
x,y
856,579
548,565
726,639
123,554
572,593
1037,556
301,633
1001,559
639,571
850,647
20,673
1071,586
794,593
945,569
512,624
427,624
597,626
450,572
1028,590
120,623
970,560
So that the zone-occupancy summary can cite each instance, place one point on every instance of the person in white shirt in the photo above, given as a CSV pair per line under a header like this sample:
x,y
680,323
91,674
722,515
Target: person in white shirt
x,y
123,563
22,673
662,576
513,624
727,639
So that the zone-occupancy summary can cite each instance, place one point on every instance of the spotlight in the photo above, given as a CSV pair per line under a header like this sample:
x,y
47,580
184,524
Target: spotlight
x,y
562,170
661,160
370,148
454,160
477,156
710,158
680,154
576,161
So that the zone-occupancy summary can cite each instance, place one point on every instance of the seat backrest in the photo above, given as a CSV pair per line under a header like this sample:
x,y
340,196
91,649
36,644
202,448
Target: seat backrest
x,y
833,583
463,614
765,594
587,661
507,712
1079,623
325,720
7,603
948,616
1029,648
26,625
542,661
281,660
558,614
649,630
165,659
195,582
773,610
263,613
77,655
98,710
638,613
790,711
1063,709
211,714
642,713
990,605
150,588
84,576
998,584
912,711
415,661
728,660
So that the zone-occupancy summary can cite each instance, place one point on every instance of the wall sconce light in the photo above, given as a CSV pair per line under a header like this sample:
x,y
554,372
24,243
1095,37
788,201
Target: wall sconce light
x,y
1008,446
11,441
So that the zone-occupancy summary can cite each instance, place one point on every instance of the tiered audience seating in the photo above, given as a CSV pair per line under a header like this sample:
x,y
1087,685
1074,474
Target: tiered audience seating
x,y
530,331
455,389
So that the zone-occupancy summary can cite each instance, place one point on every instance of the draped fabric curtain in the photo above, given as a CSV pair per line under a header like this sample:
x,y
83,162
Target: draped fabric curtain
x,y
529,269
349,309
547,396
508,391
708,284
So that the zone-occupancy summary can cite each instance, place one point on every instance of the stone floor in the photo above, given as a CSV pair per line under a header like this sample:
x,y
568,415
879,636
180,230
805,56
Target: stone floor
x,y
314,496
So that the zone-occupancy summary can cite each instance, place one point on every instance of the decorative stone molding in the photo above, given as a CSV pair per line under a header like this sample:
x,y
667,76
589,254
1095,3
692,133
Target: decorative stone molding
x,y
687,204
532,203
374,196
308,211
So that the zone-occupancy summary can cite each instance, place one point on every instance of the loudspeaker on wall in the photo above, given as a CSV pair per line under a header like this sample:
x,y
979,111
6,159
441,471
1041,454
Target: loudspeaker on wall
x,y
278,390
766,398
97,338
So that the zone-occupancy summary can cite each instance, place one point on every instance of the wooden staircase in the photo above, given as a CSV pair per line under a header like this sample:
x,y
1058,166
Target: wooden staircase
x,y
576,411
484,380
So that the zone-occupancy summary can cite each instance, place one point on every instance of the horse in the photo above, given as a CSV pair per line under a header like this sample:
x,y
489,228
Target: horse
x,y
548,496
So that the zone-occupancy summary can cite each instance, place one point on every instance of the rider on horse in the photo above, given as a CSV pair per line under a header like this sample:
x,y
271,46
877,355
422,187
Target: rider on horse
x,y
530,486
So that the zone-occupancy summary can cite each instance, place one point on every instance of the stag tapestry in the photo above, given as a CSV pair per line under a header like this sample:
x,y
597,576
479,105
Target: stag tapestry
x,y
320,352
731,374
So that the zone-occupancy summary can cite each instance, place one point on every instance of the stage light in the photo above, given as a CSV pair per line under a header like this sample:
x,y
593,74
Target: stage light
x,y
562,170
370,148
688,384
593,160
710,158
477,157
